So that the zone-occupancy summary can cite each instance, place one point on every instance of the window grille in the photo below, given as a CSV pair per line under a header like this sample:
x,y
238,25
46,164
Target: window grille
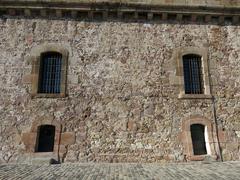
x,y
192,68
50,73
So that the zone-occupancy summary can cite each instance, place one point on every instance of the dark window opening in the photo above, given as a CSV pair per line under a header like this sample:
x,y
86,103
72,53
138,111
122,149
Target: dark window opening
x,y
186,18
198,139
50,73
193,78
142,16
128,16
112,15
82,15
172,17
45,141
98,15
157,17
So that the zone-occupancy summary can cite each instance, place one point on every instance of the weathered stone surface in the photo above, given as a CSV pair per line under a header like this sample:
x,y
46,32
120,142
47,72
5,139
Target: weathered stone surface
x,y
122,96
68,138
27,79
210,3
28,138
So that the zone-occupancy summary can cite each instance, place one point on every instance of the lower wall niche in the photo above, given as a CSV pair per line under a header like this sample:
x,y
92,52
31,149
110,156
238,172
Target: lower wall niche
x,y
46,143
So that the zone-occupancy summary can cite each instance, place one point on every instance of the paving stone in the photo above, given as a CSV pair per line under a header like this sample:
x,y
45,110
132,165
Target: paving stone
x,y
196,171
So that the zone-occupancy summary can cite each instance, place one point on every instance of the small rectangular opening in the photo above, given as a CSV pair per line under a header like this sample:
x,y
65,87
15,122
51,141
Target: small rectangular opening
x,y
112,15
172,17
200,19
157,17
67,14
98,15
128,16
82,14
142,16
51,13
228,19
19,12
215,19
186,18
3,12
35,13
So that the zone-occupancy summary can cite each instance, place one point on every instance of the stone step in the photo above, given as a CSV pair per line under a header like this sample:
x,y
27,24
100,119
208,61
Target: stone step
x,y
37,159
209,159
47,161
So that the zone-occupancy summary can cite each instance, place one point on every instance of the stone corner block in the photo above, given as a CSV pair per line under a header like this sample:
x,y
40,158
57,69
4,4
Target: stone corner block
x,y
73,79
27,79
28,138
68,138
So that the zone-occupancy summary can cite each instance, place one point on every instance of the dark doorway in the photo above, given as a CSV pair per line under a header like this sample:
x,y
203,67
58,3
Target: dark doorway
x,y
46,134
198,139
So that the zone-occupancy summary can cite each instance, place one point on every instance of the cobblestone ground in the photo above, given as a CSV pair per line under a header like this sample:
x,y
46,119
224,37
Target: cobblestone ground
x,y
219,171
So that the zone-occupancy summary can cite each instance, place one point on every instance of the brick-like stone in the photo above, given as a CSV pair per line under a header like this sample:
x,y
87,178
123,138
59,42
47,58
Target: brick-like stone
x,y
27,79
68,138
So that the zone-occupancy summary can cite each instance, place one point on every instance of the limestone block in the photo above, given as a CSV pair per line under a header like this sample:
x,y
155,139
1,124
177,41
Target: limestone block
x,y
27,79
68,138
232,146
227,155
175,80
222,136
73,79
29,138
132,126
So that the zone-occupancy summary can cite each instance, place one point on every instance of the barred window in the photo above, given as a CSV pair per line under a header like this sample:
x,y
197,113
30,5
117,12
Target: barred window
x,y
193,77
50,73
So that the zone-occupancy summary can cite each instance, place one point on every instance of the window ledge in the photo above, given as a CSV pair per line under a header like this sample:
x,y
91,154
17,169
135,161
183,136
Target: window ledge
x,y
45,95
195,96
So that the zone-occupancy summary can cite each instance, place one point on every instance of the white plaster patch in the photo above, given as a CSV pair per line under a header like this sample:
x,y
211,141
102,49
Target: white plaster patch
x,y
237,133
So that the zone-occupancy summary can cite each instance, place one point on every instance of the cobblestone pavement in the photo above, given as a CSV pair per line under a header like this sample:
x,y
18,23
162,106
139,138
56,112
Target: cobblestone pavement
x,y
191,171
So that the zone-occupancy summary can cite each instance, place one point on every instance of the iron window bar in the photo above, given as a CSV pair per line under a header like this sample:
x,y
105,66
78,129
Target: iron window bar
x,y
193,78
50,73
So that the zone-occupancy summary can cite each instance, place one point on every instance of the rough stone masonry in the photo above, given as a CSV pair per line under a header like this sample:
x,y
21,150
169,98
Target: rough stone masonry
x,y
123,82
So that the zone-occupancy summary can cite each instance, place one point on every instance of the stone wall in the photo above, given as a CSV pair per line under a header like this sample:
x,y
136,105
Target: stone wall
x,y
196,3
122,100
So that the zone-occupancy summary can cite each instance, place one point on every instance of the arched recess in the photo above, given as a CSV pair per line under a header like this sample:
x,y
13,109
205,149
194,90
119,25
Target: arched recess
x,y
36,56
178,55
187,139
30,139
199,137
61,139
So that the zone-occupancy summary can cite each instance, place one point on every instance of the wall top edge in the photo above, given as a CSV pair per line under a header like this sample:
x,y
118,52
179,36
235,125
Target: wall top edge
x,y
188,3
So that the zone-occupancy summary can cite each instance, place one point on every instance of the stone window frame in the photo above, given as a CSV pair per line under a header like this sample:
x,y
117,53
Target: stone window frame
x,y
187,139
203,53
35,56
30,138
61,139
